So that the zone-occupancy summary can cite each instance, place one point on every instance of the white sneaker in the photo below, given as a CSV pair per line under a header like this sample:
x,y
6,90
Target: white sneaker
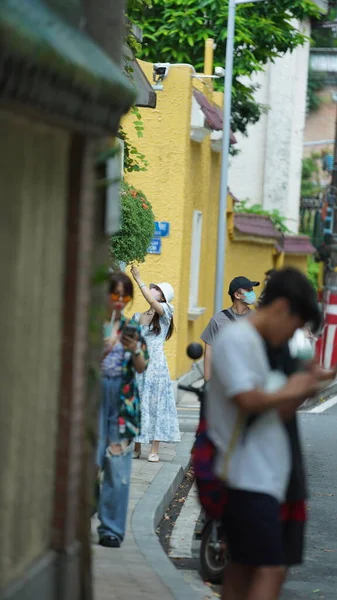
x,y
153,458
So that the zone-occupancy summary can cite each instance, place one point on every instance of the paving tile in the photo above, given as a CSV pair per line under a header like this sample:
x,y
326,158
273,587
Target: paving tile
x,y
123,573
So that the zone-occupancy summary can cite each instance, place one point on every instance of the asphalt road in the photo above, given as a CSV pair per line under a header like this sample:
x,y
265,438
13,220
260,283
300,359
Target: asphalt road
x,y
317,578
188,413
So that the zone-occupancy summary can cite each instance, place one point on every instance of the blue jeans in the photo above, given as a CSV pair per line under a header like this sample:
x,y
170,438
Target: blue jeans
x,y
114,494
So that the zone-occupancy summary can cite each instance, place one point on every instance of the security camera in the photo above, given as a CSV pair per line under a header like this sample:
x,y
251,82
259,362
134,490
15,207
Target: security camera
x,y
160,71
219,71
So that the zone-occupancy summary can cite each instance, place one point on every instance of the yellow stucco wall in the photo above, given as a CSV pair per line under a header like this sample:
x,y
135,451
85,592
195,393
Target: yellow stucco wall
x,y
203,195
166,144
299,261
248,258
184,176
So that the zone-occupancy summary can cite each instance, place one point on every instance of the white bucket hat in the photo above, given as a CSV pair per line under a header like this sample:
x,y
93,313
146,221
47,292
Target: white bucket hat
x,y
166,289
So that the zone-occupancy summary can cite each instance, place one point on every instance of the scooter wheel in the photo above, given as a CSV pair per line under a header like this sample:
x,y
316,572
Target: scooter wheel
x,y
213,559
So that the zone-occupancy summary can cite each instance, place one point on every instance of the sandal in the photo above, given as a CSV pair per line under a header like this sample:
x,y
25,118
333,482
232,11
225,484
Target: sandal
x,y
153,458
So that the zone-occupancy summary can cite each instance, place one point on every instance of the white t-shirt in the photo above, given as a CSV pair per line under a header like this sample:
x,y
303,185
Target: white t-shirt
x,y
256,458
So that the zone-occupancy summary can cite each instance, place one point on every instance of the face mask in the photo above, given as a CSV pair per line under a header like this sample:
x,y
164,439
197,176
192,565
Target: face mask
x,y
306,354
249,297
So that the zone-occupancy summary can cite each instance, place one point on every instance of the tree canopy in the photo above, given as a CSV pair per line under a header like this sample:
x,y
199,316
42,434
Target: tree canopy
x,y
175,31
325,37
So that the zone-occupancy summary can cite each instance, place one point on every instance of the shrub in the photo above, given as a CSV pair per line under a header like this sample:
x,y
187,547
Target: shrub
x,y
278,220
131,243
313,271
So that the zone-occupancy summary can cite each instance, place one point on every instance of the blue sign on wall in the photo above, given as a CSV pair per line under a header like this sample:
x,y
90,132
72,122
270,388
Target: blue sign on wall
x,y
155,246
162,229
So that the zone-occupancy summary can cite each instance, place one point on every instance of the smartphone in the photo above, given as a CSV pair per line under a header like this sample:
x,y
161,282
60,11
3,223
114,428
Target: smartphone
x,y
130,330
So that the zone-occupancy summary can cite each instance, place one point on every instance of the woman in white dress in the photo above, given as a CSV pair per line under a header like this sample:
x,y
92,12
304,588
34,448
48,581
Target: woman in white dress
x,y
159,421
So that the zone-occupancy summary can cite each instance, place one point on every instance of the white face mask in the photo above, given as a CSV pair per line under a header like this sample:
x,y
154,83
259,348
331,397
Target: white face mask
x,y
156,294
249,297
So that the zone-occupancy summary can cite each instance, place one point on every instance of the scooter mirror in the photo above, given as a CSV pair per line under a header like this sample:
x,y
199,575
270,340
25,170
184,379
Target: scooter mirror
x,y
194,351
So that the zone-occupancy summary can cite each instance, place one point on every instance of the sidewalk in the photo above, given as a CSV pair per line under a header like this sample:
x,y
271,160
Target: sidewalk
x,y
140,570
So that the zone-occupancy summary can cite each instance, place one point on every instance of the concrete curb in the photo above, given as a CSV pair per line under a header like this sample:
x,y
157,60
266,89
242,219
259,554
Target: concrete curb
x,y
147,515
322,396
195,374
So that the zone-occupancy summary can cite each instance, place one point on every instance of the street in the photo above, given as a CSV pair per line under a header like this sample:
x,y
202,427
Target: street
x,y
317,578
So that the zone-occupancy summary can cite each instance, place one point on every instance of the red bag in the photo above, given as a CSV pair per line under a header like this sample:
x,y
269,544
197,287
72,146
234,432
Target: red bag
x,y
212,491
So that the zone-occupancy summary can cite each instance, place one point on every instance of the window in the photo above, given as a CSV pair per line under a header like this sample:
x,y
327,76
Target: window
x,y
114,173
194,310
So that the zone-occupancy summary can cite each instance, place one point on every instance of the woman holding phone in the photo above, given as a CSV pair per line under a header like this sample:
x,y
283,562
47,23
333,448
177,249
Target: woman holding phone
x,y
159,413
125,354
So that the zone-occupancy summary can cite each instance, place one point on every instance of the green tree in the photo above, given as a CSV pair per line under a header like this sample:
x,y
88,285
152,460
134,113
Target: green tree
x,y
316,83
325,37
310,185
175,31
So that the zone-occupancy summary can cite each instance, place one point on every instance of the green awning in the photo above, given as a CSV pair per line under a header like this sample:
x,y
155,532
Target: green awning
x,y
33,35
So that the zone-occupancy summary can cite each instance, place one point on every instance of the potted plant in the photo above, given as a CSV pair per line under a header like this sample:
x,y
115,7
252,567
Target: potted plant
x,y
131,243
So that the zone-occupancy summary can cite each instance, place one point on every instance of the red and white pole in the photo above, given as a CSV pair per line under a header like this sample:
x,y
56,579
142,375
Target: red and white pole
x,y
319,341
329,337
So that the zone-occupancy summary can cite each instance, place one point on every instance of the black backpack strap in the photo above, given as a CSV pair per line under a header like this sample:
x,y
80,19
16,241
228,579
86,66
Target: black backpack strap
x,y
229,315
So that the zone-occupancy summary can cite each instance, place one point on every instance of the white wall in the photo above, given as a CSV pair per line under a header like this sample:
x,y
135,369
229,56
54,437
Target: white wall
x,y
268,168
246,173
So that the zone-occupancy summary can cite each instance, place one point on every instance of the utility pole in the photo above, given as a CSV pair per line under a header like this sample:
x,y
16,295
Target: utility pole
x,y
332,191
331,279
333,187
222,215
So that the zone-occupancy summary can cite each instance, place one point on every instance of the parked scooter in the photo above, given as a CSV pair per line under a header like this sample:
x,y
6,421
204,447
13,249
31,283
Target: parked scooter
x,y
213,548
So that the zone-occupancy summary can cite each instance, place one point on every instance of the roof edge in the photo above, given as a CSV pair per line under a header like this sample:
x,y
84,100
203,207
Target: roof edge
x,y
37,37
289,245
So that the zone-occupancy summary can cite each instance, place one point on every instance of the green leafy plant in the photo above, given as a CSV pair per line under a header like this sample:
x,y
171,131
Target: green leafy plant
x,y
175,31
134,160
139,5
316,83
138,123
310,185
278,220
137,227
313,271
323,37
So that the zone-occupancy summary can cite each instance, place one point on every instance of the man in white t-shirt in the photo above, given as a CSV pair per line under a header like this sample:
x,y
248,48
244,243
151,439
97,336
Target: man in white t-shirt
x,y
246,406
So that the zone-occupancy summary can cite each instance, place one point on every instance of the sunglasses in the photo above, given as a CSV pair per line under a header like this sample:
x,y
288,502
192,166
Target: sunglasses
x,y
115,297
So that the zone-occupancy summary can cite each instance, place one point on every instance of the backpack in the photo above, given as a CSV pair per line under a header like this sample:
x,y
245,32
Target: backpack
x,y
228,315
211,490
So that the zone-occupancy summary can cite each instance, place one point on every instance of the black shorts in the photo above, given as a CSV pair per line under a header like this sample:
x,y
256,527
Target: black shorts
x,y
256,534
